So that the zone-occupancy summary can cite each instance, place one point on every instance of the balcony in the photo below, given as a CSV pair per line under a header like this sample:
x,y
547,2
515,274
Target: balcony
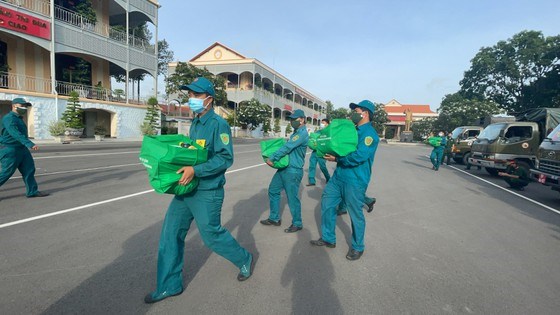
x,y
39,85
42,7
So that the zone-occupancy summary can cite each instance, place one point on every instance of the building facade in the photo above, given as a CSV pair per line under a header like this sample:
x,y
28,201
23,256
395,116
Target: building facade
x,y
396,113
48,48
249,78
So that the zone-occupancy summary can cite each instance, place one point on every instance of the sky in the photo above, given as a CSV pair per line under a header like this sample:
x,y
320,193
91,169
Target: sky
x,y
415,52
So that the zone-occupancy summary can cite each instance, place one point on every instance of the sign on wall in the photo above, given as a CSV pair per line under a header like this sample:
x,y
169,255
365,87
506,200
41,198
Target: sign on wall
x,y
24,23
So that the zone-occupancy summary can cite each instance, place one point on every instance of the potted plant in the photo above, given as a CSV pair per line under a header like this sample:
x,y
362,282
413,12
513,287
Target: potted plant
x,y
57,129
99,132
72,118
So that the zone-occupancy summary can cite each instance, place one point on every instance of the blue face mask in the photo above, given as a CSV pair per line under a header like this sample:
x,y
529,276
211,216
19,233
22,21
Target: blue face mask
x,y
197,104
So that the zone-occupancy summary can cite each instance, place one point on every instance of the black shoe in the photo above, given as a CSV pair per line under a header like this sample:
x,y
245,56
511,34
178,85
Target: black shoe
x,y
310,185
354,254
293,229
370,206
321,242
38,194
341,213
149,299
270,222
247,270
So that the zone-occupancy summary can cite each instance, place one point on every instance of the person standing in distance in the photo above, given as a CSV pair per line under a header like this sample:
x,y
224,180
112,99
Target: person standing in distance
x,y
289,178
14,148
349,183
204,204
314,160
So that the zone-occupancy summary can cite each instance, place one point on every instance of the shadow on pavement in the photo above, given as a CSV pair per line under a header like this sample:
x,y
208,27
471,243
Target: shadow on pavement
x,y
120,287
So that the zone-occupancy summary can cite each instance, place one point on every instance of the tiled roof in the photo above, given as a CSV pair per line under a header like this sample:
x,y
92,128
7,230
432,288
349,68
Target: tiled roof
x,y
416,109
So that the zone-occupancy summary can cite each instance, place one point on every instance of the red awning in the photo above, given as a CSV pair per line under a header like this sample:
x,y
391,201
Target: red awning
x,y
287,107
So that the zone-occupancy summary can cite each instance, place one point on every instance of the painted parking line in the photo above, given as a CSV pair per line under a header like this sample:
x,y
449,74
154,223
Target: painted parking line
x,y
39,217
83,155
80,170
504,189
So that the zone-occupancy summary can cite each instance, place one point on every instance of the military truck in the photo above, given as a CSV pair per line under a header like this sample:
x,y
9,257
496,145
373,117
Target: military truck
x,y
547,168
519,140
463,137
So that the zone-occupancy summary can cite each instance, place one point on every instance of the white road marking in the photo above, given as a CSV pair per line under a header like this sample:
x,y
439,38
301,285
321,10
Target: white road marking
x,y
100,202
505,189
80,170
82,155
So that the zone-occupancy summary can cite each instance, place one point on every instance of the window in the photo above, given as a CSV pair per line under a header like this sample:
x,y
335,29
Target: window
x,y
518,133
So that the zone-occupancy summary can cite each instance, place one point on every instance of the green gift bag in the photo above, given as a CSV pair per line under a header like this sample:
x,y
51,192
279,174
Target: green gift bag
x,y
164,155
339,138
312,143
268,147
434,141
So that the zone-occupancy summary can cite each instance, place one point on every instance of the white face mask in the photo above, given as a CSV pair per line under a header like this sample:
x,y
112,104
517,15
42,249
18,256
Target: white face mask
x,y
322,125
440,134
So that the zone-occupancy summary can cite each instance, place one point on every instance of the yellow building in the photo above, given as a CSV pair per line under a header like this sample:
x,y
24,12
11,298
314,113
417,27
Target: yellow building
x,y
46,47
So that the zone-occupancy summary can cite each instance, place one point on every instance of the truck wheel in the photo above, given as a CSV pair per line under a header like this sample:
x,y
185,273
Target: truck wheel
x,y
466,158
492,171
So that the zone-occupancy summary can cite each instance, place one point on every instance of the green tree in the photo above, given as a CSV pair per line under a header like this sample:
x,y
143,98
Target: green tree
x,y
165,56
185,73
253,112
72,115
329,108
152,114
456,110
288,129
422,128
504,72
277,128
379,118
339,113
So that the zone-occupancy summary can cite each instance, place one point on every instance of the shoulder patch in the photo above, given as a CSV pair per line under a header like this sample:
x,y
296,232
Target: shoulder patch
x,y
201,142
368,140
225,138
294,138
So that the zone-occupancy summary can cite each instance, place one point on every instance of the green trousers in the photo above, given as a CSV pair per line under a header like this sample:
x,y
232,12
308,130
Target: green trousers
x,y
18,158
204,207
289,180
313,160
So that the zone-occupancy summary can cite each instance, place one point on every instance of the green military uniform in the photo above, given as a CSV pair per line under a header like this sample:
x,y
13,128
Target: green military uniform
x,y
289,178
517,183
203,205
313,160
14,151
447,152
437,153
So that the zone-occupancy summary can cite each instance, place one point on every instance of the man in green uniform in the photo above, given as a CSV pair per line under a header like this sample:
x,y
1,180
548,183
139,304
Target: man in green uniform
x,y
437,153
204,204
448,148
14,148
517,177
313,160
349,183
289,178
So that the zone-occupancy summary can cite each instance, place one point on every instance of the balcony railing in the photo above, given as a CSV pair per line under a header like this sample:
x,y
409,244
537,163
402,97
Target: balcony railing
x,y
42,7
100,28
39,85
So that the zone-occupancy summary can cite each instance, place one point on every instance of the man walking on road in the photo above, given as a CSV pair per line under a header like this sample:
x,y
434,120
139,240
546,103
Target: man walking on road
x,y
289,178
349,183
313,160
14,148
204,204
437,153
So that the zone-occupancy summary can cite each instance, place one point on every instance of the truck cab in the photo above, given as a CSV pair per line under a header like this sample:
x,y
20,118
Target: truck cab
x,y
463,138
501,142
547,168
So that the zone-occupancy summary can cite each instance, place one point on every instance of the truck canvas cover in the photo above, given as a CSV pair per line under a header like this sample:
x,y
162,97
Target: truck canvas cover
x,y
546,118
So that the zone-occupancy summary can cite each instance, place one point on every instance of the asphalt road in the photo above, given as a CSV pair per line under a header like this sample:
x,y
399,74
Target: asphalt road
x,y
437,242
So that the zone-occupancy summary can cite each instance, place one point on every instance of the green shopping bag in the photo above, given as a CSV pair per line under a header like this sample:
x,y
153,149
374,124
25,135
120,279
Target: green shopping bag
x,y
268,147
339,138
434,141
312,143
163,156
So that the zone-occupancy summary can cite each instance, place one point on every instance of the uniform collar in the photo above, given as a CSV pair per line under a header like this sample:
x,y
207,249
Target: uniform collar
x,y
206,116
